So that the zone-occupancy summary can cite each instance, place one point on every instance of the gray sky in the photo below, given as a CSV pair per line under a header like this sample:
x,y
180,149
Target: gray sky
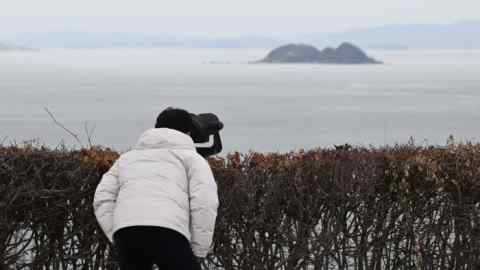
x,y
225,17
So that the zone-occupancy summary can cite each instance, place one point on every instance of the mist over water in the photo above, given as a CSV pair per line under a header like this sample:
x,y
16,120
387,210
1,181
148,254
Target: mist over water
x,y
425,94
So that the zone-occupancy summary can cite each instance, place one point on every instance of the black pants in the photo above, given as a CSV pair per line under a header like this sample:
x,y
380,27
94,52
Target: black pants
x,y
139,247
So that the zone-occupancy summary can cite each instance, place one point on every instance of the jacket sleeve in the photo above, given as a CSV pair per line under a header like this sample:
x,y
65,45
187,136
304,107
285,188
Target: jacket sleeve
x,y
105,199
203,206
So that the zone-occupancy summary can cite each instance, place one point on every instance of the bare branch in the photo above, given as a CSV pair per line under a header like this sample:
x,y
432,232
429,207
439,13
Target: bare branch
x,y
63,127
89,133
2,141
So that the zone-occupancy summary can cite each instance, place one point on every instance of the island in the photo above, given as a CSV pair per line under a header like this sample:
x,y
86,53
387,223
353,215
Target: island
x,y
5,47
346,53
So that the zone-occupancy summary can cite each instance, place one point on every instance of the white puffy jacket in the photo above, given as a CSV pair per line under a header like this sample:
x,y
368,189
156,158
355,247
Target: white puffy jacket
x,y
162,182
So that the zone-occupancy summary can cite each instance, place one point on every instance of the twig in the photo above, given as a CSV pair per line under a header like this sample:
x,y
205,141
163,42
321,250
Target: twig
x,y
63,127
61,144
89,133
3,140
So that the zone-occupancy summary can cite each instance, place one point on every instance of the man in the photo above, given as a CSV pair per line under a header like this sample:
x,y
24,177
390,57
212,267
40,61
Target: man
x,y
158,202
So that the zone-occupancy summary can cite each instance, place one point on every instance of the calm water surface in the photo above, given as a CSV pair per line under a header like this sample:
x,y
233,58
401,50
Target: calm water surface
x,y
424,94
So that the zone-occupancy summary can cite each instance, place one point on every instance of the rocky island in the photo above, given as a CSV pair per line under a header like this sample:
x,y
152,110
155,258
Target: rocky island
x,y
346,53
5,47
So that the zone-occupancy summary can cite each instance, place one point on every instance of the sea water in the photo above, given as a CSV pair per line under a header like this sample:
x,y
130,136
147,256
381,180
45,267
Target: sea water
x,y
112,96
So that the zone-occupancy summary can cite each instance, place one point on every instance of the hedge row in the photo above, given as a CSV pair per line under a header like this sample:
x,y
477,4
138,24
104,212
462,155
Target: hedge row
x,y
402,207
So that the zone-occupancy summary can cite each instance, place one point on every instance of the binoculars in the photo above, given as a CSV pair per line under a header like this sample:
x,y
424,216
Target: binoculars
x,y
205,125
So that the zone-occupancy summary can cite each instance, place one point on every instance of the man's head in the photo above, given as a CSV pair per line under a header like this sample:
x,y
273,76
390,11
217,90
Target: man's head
x,y
174,118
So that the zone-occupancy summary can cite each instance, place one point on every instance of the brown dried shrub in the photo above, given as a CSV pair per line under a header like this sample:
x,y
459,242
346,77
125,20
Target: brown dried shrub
x,y
402,207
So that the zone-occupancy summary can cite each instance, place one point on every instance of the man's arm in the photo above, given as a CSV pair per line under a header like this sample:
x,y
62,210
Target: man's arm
x,y
203,206
105,199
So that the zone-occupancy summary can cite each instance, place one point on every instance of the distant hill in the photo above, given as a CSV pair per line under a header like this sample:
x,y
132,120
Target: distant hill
x,y
346,53
86,40
464,35
5,47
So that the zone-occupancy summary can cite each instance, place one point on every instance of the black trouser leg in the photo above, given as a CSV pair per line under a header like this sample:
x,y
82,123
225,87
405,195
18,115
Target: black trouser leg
x,y
131,258
131,251
177,255
139,247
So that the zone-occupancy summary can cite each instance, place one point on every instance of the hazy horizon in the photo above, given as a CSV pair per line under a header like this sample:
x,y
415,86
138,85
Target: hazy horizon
x,y
461,35
214,18
68,26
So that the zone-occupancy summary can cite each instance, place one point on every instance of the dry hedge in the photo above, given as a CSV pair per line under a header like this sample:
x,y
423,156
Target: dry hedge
x,y
402,207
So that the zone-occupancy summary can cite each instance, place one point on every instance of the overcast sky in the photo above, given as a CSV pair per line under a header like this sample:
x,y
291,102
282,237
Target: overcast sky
x,y
226,17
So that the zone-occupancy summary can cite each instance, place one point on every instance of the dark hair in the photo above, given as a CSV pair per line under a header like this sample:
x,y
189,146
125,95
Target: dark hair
x,y
174,118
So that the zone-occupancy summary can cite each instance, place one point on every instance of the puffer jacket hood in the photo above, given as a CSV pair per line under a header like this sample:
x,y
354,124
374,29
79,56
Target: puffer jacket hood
x,y
156,138
161,182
